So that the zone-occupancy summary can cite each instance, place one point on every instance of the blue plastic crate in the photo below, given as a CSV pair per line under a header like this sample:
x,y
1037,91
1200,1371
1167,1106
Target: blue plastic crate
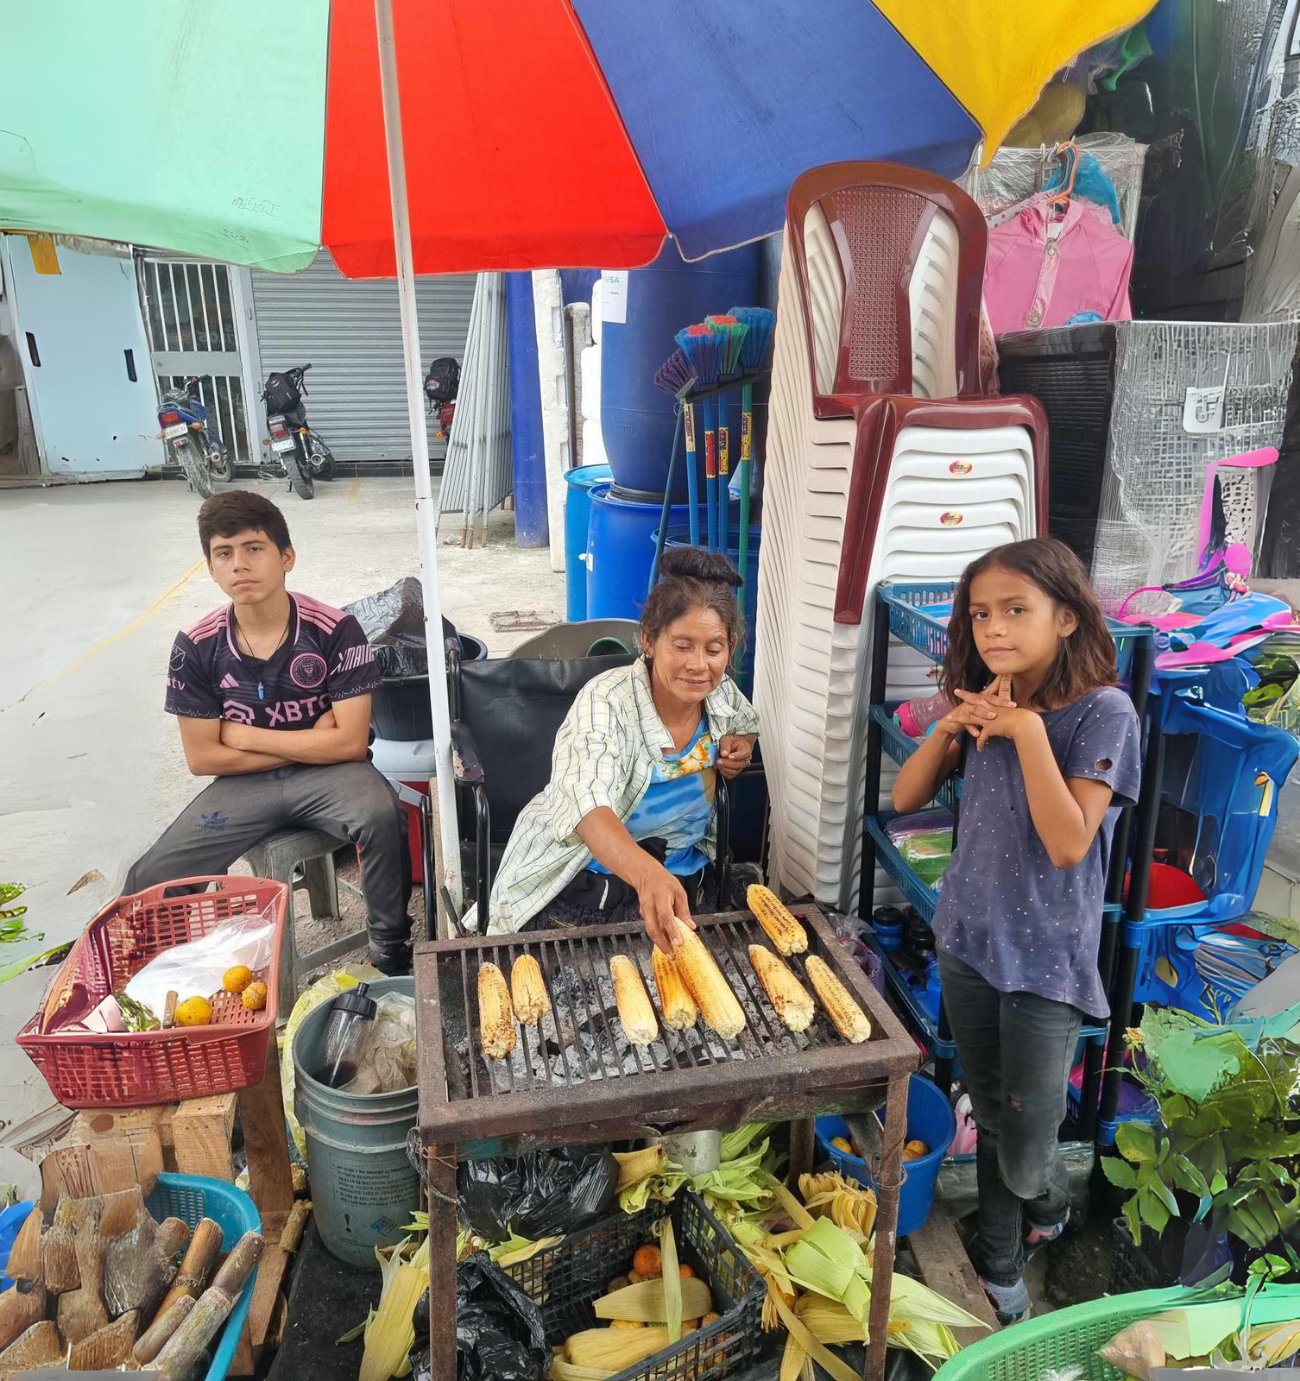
x,y
192,1197
921,897
918,616
914,1014
900,746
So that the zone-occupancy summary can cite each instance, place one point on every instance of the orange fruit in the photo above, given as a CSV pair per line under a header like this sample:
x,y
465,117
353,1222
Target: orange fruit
x,y
254,997
647,1263
237,979
194,1011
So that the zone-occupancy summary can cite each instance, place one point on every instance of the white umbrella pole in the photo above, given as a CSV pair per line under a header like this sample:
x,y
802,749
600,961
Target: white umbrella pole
x,y
426,516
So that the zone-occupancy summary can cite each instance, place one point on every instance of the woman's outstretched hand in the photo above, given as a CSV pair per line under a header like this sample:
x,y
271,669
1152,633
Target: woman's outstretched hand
x,y
663,904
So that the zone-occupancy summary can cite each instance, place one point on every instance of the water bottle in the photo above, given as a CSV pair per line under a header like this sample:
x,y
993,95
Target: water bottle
x,y
915,716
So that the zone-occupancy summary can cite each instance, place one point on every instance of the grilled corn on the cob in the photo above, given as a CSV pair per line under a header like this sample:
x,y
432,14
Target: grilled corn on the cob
x,y
528,991
850,1020
792,1001
496,1018
634,1008
718,1005
782,929
675,1002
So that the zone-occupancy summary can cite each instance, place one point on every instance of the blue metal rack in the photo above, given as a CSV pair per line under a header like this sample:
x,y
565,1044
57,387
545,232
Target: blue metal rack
x,y
917,614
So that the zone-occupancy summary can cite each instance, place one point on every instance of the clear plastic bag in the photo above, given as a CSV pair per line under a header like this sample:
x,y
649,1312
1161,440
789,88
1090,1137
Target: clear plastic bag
x,y
388,1061
197,968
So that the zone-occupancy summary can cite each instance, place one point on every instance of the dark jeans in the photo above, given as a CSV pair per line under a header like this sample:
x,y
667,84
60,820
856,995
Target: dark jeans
x,y
350,800
1016,1051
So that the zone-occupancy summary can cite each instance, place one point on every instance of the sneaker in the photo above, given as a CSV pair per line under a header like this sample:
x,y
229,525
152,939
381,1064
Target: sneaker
x,y
1010,1303
392,965
1036,1237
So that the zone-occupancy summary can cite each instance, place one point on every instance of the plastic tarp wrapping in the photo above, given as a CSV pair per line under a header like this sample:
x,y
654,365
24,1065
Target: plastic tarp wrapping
x,y
1273,277
1169,375
393,622
1015,174
1208,176
1279,548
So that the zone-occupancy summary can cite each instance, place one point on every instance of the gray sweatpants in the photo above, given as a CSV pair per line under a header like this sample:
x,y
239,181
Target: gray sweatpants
x,y
351,800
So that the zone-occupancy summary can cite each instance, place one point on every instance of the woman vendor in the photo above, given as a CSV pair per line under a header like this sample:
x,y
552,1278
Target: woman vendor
x,y
625,826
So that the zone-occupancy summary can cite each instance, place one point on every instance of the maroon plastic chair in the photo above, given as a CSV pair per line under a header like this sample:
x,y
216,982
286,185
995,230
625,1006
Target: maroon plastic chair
x,y
879,215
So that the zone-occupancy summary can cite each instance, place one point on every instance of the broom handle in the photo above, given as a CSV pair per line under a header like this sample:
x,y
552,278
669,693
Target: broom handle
x,y
692,476
724,470
662,535
746,448
711,469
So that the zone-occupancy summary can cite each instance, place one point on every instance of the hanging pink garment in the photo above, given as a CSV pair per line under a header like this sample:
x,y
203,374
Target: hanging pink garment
x,y
1045,267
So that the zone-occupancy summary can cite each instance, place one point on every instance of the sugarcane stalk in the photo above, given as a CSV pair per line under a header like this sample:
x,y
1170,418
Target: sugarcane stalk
x,y
200,1326
295,1225
196,1265
155,1337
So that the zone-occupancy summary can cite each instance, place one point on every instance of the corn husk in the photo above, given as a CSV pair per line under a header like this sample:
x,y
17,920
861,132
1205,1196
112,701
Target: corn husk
x,y
1270,1344
672,1282
561,1369
846,1203
390,1330
796,1364
613,1349
635,1166
647,1302
515,1250
827,1261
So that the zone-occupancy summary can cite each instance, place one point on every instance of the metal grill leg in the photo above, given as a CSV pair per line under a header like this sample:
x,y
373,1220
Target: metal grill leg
x,y
441,1184
891,1177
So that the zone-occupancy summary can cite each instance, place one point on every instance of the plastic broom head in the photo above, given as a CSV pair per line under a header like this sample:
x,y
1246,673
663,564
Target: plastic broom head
x,y
733,333
703,350
758,339
674,374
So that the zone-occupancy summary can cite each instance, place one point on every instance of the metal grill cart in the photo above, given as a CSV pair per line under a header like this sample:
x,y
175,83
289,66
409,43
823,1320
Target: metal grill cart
x,y
574,1079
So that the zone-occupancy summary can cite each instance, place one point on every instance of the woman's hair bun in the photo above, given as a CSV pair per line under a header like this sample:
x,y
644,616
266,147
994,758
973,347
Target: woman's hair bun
x,y
695,563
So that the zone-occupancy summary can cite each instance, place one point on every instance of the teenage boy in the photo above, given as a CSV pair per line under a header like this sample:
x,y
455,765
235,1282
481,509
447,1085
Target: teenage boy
x,y
272,695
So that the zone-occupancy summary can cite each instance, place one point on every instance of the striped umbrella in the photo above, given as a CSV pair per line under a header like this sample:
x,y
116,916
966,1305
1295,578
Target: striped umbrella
x,y
445,136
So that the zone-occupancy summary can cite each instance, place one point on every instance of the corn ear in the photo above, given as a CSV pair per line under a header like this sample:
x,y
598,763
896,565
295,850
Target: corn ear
x,y
634,1009
672,1281
496,1017
718,1005
615,1349
782,928
675,1002
647,1302
561,1369
390,1333
791,1001
850,1020
527,991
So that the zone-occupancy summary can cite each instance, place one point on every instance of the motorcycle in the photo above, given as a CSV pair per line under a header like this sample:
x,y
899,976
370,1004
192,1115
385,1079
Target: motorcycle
x,y
298,453
183,418
441,385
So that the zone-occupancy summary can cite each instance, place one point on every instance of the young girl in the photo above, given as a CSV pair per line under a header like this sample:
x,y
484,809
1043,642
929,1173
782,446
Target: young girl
x,y
1054,752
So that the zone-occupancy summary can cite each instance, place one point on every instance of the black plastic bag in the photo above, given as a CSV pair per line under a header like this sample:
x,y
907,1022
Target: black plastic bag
x,y
499,1333
393,622
541,1194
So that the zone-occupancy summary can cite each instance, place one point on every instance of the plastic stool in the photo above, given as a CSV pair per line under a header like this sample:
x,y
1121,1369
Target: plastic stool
x,y
303,858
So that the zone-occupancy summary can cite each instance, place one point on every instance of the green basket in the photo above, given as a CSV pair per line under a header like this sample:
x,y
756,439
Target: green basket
x,y
1068,1338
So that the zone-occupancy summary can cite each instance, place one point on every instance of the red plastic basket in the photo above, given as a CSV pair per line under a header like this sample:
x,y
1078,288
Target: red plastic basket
x,y
89,1070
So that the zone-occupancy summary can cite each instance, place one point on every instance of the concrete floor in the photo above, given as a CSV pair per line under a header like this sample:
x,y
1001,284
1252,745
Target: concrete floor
x,y
96,580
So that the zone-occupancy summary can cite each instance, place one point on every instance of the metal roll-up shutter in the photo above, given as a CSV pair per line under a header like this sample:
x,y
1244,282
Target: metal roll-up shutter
x,y
351,333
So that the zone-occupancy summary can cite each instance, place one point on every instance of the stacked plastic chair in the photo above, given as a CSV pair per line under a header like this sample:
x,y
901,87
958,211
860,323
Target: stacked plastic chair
x,y
883,462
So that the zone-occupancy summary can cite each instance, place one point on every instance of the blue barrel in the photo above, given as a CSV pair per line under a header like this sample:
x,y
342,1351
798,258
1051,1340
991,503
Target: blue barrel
x,y
636,419
681,537
577,510
620,551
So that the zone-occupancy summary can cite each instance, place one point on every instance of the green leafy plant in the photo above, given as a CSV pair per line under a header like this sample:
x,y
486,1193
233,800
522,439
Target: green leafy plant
x,y
1229,1139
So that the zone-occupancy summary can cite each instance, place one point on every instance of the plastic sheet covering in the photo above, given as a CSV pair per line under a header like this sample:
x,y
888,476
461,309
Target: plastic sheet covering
x,y
393,622
1208,175
1015,174
1279,548
1147,529
1273,277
